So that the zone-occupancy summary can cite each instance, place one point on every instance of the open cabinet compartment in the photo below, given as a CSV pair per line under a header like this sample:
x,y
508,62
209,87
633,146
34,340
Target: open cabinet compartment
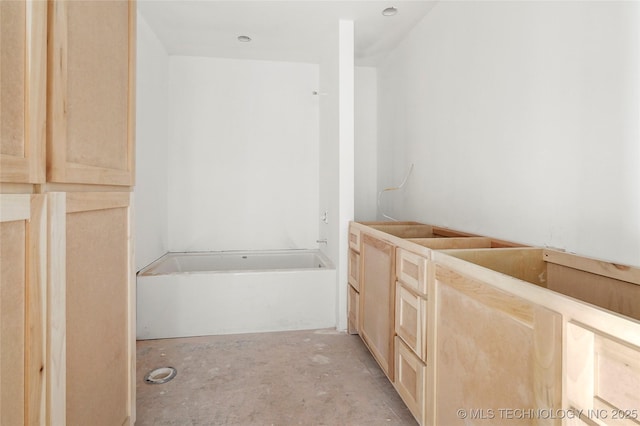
x,y
544,329
610,286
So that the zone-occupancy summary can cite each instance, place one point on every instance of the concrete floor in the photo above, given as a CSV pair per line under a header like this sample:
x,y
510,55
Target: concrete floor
x,y
287,378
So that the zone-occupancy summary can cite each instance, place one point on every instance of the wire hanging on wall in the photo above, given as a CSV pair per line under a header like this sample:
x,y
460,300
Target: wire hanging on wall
x,y
393,188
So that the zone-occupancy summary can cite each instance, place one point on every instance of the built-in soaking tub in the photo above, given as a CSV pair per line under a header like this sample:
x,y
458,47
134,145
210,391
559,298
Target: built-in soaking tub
x,y
197,294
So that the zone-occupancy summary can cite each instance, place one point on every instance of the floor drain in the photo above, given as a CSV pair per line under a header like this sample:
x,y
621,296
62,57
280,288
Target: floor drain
x,y
160,375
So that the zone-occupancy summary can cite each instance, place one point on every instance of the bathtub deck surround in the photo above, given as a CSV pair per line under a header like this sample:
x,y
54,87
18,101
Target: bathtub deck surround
x,y
198,294
307,377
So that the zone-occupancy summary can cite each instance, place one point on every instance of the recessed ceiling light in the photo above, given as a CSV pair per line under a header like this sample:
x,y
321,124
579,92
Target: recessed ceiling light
x,y
390,11
244,39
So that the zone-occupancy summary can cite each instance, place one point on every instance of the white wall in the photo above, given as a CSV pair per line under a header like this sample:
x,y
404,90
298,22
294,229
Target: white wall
x,y
337,154
346,160
150,194
243,156
523,121
366,137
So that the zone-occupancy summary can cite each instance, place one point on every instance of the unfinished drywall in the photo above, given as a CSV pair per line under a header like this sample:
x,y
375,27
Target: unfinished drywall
x,y
152,89
366,137
523,122
243,154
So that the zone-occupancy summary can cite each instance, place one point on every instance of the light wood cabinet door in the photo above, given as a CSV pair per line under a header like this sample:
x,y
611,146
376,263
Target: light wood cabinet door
x,y
92,309
377,300
495,351
23,45
91,104
22,308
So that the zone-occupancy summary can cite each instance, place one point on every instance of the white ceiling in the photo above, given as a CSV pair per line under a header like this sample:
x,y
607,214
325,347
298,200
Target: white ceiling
x,y
293,30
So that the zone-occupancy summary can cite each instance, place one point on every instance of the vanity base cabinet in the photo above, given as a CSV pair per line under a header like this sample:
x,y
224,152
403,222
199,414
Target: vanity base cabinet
x,y
494,351
512,321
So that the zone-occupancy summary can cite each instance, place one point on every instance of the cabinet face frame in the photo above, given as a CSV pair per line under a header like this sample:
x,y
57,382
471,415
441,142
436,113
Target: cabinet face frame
x,y
59,168
30,167
30,209
61,205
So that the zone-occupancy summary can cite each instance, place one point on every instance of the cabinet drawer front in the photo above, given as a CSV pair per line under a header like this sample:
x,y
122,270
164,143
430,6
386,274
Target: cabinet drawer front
x,y
411,319
354,269
353,308
410,379
412,270
354,239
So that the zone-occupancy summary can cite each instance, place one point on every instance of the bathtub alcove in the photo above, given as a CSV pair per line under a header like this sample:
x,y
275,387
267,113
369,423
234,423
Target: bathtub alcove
x,y
196,294
251,145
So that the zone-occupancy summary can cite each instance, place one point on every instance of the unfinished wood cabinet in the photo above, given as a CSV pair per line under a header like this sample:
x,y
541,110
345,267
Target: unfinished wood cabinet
x,y
377,300
23,46
353,296
410,379
394,297
490,339
91,309
22,309
66,117
91,95
544,330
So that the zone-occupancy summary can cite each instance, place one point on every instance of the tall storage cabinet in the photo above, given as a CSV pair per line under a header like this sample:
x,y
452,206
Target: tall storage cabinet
x,y
67,332
23,76
22,309
91,77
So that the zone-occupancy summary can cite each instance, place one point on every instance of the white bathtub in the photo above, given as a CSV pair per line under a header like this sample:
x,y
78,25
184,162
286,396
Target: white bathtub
x,y
196,294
